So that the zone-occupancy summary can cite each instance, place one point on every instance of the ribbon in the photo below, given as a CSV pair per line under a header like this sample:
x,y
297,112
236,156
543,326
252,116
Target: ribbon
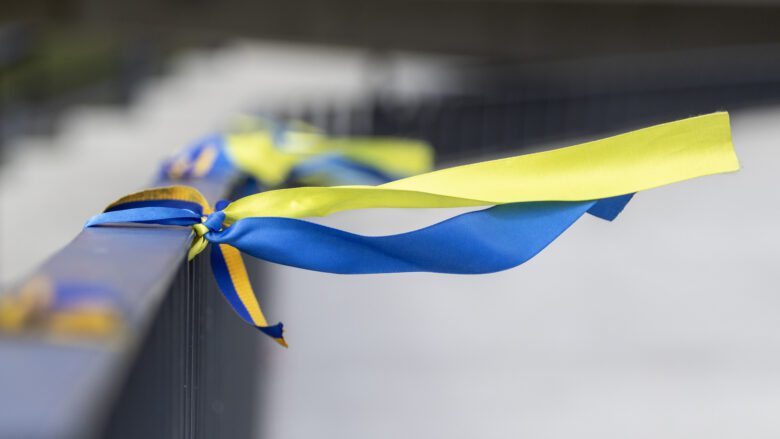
x,y
64,310
529,199
274,152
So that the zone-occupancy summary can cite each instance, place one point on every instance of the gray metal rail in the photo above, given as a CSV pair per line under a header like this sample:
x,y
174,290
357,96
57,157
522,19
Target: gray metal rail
x,y
55,389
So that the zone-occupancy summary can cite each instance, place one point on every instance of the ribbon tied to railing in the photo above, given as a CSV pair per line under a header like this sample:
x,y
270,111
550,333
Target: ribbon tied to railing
x,y
274,151
527,201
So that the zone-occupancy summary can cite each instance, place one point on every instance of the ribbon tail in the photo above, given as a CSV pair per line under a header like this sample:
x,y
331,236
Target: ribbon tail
x,y
233,280
609,208
146,215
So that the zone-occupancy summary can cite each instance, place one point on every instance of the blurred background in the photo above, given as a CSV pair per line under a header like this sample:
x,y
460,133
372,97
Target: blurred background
x,y
661,324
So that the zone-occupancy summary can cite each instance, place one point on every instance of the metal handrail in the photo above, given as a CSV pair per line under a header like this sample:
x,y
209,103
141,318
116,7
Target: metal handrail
x,y
54,389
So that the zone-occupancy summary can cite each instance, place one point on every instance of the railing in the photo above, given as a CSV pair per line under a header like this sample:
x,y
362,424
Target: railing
x,y
196,358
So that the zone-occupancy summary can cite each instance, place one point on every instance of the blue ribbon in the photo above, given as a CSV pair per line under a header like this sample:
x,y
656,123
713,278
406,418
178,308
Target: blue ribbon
x,y
483,241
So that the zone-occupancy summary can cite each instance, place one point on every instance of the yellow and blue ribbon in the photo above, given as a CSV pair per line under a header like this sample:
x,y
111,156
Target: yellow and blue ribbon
x,y
65,310
185,206
274,152
530,200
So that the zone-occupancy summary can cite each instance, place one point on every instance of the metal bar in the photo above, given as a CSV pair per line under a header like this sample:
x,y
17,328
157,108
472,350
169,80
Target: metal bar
x,y
67,390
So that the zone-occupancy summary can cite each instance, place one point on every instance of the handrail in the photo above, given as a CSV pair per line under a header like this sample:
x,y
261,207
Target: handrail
x,y
62,389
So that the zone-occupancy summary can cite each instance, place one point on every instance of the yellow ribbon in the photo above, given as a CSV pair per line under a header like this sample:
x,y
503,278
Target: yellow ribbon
x,y
256,153
617,165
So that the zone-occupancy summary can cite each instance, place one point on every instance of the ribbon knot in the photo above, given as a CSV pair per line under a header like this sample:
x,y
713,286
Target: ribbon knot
x,y
214,221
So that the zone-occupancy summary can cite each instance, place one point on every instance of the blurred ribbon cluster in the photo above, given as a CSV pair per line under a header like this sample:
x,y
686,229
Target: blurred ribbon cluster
x,y
276,152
